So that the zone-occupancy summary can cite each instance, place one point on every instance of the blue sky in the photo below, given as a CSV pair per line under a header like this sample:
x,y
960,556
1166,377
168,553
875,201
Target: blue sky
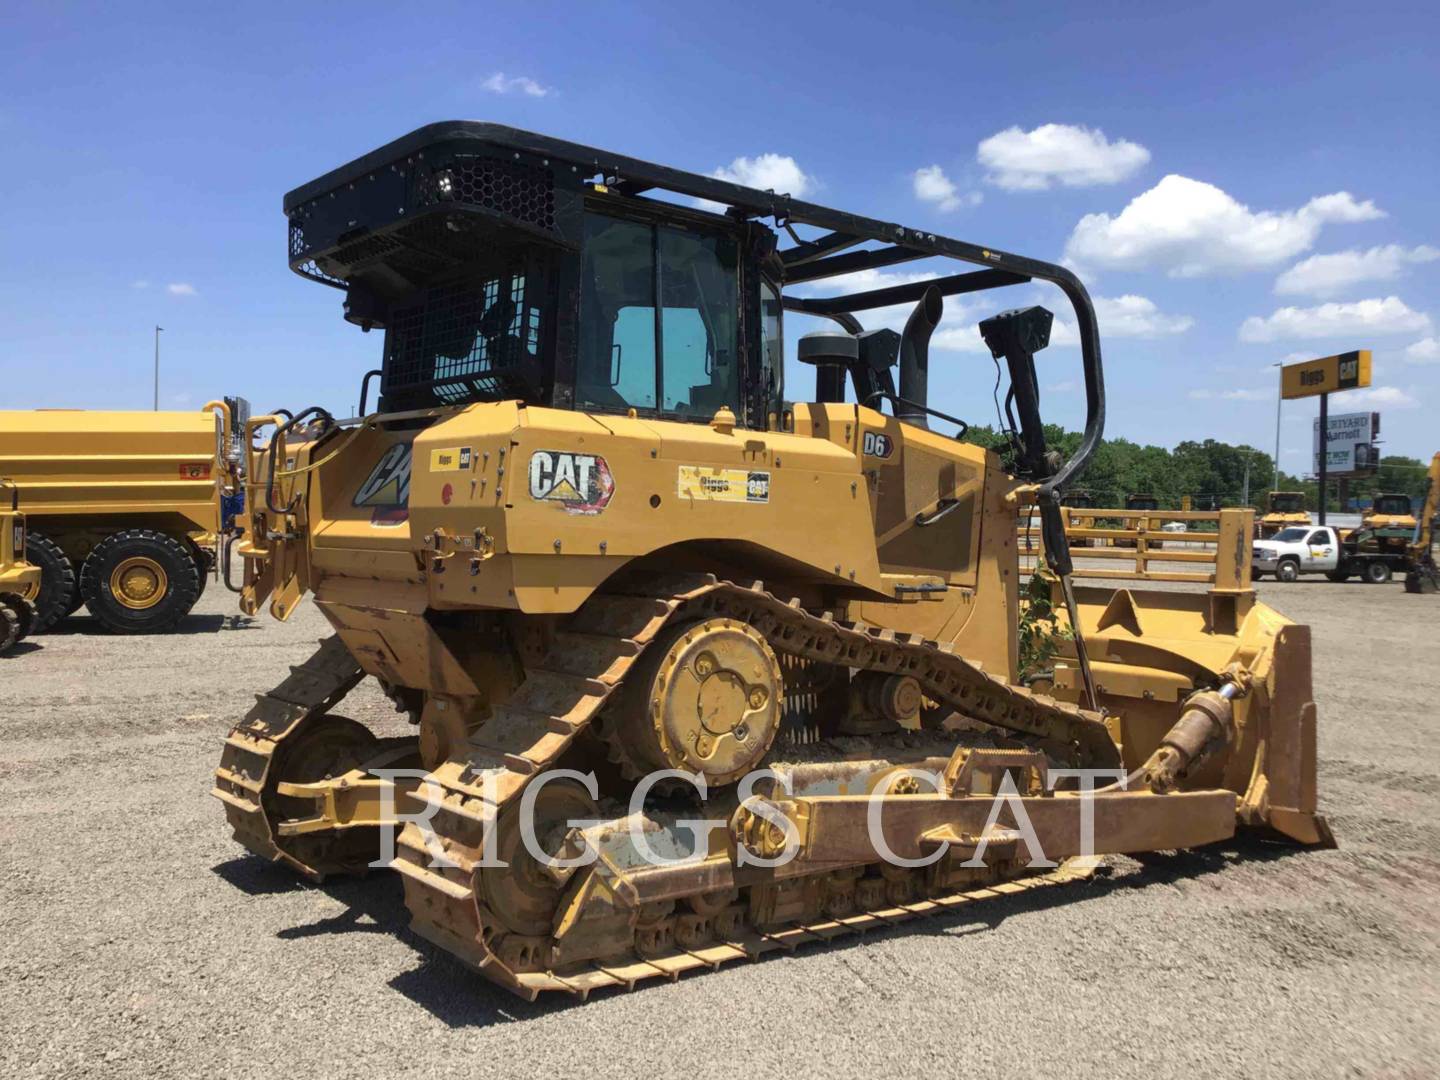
x,y
1237,183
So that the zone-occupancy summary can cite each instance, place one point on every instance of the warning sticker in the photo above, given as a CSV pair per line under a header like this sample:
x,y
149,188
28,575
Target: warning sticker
x,y
713,484
581,483
451,459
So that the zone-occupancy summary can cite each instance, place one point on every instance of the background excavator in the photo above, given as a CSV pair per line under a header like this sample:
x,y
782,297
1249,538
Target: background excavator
x,y
585,529
1423,573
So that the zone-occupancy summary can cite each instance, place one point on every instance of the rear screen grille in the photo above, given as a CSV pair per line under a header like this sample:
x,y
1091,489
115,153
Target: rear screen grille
x,y
476,339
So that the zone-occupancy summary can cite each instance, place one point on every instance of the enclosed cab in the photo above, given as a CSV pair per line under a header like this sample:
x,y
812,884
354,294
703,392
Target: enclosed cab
x,y
1391,511
1282,510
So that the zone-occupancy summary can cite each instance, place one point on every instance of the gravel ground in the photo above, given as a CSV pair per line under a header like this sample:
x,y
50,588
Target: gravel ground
x,y
136,939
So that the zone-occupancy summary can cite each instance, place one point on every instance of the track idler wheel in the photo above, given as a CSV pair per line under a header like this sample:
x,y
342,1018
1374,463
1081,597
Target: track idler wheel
x,y
523,896
705,698
325,746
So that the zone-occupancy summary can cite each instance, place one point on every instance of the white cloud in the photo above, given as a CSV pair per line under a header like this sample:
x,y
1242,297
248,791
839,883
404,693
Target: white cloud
x,y
500,83
140,284
1057,153
779,173
1363,317
959,329
1329,275
1189,228
1379,397
180,288
959,325
1234,395
1424,351
933,186
767,172
1136,316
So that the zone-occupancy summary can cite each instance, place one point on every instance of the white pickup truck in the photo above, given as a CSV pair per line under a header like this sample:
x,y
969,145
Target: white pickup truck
x,y
1320,549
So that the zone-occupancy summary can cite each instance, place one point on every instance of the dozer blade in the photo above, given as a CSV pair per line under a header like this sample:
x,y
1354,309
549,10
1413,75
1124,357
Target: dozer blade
x,y
1282,795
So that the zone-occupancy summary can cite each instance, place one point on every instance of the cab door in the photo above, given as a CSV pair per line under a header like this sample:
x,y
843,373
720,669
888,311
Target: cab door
x,y
1321,551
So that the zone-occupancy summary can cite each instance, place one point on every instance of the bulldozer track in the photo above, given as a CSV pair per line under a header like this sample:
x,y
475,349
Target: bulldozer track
x,y
584,666
311,688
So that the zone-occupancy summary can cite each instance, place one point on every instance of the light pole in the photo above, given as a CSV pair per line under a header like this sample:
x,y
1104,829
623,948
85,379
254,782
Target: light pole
x,y
158,329
1279,399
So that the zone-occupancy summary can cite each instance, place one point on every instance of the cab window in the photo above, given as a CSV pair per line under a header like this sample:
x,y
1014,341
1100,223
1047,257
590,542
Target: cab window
x,y
684,363
772,329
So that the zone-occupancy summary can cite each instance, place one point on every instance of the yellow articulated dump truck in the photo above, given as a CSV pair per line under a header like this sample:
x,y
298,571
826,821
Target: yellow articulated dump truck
x,y
124,509
697,671
19,581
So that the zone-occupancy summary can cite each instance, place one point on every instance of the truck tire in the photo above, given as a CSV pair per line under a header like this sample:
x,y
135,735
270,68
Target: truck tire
x,y
202,567
1377,572
57,581
1288,570
139,581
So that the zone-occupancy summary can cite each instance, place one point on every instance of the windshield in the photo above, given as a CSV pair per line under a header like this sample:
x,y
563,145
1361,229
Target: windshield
x,y
1291,536
632,270
1288,504
1392,504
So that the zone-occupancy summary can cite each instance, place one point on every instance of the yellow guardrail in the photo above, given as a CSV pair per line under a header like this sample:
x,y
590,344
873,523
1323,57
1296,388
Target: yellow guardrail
x,y
1219,556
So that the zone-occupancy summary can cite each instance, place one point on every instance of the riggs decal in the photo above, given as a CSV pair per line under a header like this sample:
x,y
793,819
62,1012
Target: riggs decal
x,y
711,484
581,483
878,444
387,488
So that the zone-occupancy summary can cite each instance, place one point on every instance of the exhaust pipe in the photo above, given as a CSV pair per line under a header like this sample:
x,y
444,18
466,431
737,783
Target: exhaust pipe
x,y
915,357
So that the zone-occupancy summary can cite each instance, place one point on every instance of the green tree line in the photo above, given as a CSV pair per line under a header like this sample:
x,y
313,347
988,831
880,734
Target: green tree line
x,y
1210,472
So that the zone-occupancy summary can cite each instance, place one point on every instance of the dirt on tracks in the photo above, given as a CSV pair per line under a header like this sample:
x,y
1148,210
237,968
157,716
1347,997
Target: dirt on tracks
x,y
137,939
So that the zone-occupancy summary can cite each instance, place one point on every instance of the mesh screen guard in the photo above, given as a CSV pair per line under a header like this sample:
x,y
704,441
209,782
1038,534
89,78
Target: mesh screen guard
x,y
473,338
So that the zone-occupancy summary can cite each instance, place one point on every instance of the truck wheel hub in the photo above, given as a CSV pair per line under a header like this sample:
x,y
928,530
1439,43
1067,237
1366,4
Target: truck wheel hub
x,y
139,583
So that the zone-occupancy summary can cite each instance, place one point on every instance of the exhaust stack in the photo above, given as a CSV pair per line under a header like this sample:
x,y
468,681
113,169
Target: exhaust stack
x,y
915,357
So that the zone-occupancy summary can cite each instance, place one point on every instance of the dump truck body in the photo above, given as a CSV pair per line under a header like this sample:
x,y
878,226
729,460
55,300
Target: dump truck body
x,y
140,488
748,672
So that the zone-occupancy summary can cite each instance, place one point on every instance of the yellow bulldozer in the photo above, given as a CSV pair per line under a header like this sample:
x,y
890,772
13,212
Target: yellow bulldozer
x,y
125,509
1282,510
1390,511
19,581
697,672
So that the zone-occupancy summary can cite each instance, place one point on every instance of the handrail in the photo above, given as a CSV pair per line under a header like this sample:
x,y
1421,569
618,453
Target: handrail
x,y
1226,549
